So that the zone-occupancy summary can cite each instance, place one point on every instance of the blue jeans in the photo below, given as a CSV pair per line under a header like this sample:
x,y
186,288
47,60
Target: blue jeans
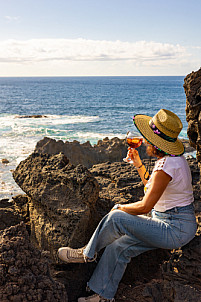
x,y
125,236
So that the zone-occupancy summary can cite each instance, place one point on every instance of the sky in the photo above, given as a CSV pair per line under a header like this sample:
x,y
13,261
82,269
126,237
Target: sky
x,y
99,37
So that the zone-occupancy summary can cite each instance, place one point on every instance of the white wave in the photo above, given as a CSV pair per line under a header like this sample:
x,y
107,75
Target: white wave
x,y
94,135
13,148
74,119
34,129
17,120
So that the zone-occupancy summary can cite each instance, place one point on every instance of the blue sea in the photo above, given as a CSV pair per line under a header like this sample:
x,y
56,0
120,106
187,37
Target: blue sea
x,y
76,108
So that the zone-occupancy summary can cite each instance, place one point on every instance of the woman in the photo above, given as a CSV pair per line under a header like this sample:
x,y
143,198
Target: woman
x,y
125,232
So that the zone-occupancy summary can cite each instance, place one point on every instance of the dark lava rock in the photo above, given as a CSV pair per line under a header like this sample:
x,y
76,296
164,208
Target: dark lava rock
x,y
112,150
8,215
32,116
106,150
24,272
85,154
192,88
62,200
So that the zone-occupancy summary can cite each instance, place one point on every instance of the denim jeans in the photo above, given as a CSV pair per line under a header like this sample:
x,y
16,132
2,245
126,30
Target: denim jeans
x,y
125,236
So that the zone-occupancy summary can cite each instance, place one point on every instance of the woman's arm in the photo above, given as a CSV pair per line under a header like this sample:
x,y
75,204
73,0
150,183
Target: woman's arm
x,y
143,173
134,155
158,185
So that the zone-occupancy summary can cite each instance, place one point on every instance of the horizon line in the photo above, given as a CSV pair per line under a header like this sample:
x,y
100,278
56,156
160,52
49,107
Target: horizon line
x,y
88,76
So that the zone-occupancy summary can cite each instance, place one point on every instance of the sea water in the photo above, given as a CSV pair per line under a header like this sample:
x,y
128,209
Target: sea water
x,y
76,108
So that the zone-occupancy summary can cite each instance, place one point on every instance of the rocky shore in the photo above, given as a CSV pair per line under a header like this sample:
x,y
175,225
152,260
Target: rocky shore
x,y
112,150
68,188
62,206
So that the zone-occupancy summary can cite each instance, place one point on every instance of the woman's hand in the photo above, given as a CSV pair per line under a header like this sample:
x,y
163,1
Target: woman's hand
x,y
134,155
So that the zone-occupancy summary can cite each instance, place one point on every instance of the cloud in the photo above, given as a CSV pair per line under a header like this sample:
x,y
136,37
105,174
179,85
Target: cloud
x,y
195,47
44,50
12,19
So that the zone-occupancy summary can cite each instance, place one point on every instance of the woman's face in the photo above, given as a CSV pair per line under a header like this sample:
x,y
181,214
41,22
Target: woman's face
x,y
145,141
149,150
149,147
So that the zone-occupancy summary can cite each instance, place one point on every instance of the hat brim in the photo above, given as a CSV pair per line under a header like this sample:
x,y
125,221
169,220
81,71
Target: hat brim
x,y
141,121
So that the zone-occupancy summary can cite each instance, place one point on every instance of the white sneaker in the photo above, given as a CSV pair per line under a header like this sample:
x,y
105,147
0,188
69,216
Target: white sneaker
x,y
70,255
94,298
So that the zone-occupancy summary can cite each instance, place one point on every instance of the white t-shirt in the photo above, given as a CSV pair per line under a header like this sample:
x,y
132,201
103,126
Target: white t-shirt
x,y
179,191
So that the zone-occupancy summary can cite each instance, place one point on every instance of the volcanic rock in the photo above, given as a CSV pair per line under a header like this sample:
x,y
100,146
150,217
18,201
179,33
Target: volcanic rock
x,y
21,206
119,183
8,215
32,116
106,150
192,88
24,272
5,161
182,273
62,200
113,150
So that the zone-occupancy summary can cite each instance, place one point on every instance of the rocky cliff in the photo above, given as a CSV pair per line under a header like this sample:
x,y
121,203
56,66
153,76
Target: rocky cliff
x,y
62,200
192,88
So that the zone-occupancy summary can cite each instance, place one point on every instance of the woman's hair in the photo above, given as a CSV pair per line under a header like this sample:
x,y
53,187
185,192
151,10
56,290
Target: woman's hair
x,y
152,151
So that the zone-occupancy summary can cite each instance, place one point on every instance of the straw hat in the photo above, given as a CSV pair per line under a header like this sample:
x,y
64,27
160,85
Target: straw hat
x,y
161,131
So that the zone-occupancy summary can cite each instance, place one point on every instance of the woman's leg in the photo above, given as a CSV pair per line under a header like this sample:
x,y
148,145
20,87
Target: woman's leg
x,y
112,265
154,232
126,236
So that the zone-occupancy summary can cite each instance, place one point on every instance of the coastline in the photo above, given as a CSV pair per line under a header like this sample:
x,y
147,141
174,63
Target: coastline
x,y
116,148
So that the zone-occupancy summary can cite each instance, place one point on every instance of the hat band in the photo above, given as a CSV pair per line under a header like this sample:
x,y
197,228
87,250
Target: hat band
x,y
160,133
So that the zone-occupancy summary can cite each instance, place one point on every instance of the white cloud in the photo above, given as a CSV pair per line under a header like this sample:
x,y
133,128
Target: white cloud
x,y
12,18
43,50
195,47
82,57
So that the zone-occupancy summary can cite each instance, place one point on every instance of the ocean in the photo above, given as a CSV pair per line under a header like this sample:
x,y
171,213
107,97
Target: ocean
x,y
76,108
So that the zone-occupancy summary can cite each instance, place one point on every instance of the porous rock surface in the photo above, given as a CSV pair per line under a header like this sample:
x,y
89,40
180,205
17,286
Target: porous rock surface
x,y
192,88
175,279
62,200
119,182
112,150
8,215
85,154
24,272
